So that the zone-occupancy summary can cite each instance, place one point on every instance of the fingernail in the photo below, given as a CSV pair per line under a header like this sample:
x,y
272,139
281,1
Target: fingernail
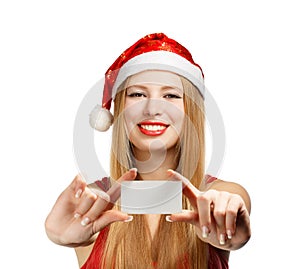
x,y
229,234
76,215
222,239
133,169
130,218
85,221
168,218
78,193
204,232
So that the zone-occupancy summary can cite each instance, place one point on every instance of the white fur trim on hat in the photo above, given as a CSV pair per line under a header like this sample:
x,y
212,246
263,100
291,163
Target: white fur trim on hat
x,y
101,118
161,60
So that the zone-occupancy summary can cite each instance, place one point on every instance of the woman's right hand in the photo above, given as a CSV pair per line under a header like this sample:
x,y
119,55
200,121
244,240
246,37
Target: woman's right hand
x,y
79,213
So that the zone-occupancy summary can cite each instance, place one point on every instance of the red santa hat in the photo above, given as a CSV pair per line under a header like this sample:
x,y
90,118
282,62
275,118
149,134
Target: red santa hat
x,y
152,52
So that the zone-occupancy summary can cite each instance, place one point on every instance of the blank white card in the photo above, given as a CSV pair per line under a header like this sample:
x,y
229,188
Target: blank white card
x,y
151,197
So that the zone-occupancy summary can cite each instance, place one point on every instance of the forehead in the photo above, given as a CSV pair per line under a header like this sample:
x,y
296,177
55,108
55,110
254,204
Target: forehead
x,y
163,78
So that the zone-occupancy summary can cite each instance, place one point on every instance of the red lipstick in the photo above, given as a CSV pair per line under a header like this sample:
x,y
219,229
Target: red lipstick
x,y
152,128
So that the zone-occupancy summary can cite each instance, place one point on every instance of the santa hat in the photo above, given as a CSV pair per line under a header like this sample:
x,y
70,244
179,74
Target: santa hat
x,y
152,52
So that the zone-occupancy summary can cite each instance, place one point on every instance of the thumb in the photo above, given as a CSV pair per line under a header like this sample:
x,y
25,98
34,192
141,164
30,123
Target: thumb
x,y
115,190
187,216
109,217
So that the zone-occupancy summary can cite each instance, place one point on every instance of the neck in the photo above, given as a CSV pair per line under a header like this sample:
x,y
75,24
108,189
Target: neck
x,y
154,165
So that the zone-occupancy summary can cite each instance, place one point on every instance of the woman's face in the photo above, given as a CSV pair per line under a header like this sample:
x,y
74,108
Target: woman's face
x,y
154,110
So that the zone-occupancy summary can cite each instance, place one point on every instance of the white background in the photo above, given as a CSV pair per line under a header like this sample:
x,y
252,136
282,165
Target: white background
x,y
53,52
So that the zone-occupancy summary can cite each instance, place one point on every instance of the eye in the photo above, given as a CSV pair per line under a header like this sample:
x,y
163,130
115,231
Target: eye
x,y
172,96
136,94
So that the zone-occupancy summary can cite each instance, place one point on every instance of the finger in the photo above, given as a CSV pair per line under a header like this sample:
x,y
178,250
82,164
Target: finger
x,y
104,201
77,186
220,213
189,190
233,207
109,217
85,202
96,209
115,191
187,216
205,204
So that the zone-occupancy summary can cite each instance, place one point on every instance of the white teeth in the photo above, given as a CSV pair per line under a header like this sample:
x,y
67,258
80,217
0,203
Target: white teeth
x,y
153,127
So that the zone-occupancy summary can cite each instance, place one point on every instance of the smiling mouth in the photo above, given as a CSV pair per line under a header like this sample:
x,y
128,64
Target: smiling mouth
x,y
152,128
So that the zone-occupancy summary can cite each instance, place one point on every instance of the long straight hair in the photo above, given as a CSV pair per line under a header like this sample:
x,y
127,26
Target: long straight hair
x,y
175,245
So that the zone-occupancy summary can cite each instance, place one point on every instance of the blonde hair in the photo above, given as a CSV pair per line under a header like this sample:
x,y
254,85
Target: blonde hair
x,y
175,245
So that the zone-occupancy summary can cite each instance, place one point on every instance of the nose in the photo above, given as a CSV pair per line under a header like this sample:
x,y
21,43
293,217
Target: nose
x,y
153,107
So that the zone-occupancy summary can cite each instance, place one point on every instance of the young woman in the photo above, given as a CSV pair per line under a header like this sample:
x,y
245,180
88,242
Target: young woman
x,y
158,133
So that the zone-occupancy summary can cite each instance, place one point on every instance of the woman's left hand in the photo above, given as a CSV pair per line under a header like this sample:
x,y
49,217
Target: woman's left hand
x,y
220,217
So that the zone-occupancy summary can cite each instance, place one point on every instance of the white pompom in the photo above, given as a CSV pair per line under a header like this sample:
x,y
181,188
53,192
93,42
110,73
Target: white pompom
x,y
101,118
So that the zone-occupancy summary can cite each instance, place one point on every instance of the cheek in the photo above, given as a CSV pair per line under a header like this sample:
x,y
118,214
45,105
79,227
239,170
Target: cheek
x,y
176,114
131,110
129,120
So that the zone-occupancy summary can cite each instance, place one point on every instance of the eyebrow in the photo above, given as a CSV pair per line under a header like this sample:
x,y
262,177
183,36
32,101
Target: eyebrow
x,y
136,86
164,88
171,88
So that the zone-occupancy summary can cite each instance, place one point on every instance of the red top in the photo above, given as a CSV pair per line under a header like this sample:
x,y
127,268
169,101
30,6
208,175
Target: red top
x,y
217,260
